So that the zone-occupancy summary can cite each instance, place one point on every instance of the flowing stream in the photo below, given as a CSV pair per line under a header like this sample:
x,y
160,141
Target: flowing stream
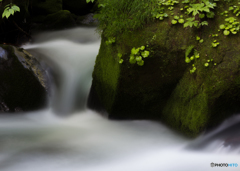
x,y
68,137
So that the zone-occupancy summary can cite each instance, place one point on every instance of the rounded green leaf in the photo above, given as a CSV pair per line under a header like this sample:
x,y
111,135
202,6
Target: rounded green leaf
x,y
145,54
134,51
222,26
11,11
174,22
138,58
206,64
121,61
226,32
176,17
16,8
142,47
181,21
132,61
8,14
140,63
187,60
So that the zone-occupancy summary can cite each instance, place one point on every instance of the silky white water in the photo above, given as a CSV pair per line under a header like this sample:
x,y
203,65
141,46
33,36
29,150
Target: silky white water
x,y
82,140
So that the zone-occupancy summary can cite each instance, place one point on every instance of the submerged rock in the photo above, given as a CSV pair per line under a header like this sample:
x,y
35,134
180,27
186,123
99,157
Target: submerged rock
x,y
166,88
23,85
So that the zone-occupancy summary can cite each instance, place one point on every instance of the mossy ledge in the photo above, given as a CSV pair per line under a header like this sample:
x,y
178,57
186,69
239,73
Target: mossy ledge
x,y
163,88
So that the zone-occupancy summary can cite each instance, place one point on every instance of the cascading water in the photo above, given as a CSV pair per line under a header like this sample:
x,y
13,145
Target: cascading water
x,y
85,141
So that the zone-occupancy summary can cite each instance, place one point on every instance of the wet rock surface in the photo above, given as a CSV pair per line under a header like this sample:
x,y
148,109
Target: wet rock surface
x,y
23,85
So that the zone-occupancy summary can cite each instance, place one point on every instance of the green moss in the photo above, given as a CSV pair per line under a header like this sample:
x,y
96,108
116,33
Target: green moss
x,y
119,16
164,88
187,108
106,75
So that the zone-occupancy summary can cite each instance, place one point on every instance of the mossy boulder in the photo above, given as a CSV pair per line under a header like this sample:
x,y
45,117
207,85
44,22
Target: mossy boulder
x,y
40,7
23,85
79,7
60,20
164,88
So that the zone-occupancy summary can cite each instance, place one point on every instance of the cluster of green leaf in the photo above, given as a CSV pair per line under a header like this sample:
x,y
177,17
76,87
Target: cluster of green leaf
x,y
231,26
117,16
10,9
194,56
199,39
215,43
164,7
110,40
208,62
137,55
200,8
204,6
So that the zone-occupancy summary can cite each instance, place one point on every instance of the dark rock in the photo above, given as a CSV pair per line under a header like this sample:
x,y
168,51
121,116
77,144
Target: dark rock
x,y
59,20
86,20
45,7
79,7
23,85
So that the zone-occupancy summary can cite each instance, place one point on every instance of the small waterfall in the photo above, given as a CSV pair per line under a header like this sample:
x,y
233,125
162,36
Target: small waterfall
x,y
84,140
71,54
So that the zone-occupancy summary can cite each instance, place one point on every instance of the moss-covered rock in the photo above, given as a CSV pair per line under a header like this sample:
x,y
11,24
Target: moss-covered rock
x,y
164,88
40,7
79,7
23,82
59,20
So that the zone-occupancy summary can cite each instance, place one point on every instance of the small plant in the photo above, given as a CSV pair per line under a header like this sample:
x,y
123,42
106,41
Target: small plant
x,y
206,64
137,55
231,26
174,21
10,9
200,7
199,39
188,51
181,21
193,69
191,22
215,43
110,40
